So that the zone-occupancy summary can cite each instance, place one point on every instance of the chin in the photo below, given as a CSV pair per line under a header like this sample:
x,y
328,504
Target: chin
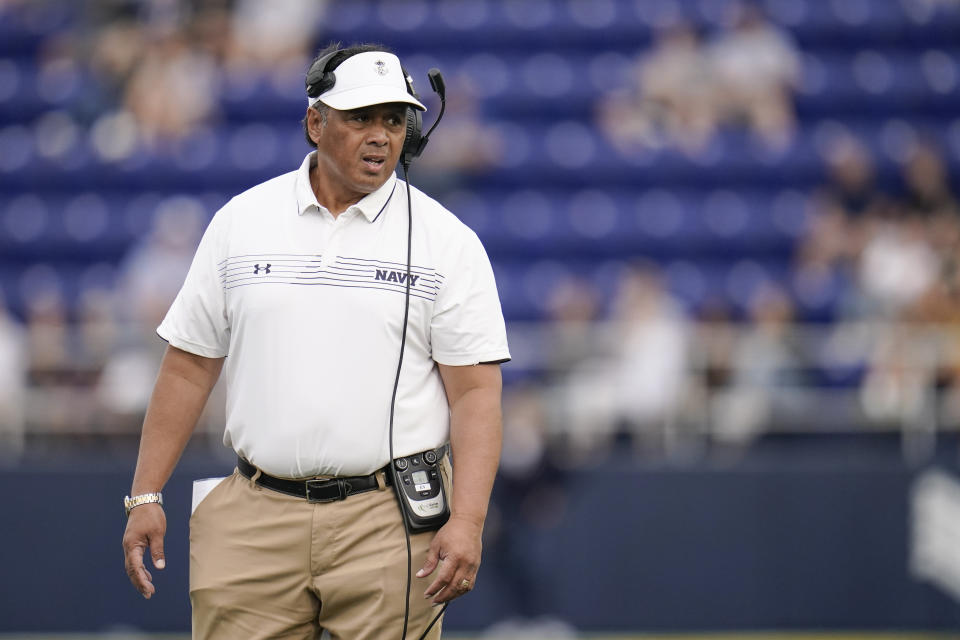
x,y
374,181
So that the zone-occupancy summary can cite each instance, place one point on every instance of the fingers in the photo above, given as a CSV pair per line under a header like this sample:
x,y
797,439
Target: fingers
x,y
156,551
443,578
433,558
453,559
452,581
451,589
138,574
145,528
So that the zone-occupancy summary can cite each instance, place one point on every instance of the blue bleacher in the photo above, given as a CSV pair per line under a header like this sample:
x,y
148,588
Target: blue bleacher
x,y
562,199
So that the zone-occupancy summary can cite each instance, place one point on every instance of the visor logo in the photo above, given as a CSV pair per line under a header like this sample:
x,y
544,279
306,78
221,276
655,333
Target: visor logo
x,y
381,67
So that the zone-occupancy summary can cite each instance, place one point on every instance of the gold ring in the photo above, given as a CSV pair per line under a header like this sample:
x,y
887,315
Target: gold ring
x,y
464,584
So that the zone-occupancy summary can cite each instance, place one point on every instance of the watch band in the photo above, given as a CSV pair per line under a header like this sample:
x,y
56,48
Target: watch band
x,y
144,498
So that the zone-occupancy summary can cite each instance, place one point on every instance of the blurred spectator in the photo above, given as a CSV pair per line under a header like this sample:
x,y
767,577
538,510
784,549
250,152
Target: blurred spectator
x,y
574,308
153,271
524,434
713,338
897,389
928,192
273,36
48,336
114,53
917,373
577,358
851,189
155,71
172,89
755,68
767,368
932,211
13,365
845,210
58,402
618,379
651,359
96,329
899,258
685,90
151,277
124,390
671,100
897,267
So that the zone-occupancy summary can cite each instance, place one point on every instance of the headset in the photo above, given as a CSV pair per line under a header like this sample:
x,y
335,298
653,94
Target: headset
x,y
318,81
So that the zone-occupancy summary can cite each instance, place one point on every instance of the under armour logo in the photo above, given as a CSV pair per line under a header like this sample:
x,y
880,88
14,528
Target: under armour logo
x,y
381,67
257,268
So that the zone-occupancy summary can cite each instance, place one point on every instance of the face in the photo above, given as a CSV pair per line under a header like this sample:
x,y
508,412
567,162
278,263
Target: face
x,y
357,150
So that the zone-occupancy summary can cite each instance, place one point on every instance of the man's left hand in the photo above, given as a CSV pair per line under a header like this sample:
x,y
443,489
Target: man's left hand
x,y
455,553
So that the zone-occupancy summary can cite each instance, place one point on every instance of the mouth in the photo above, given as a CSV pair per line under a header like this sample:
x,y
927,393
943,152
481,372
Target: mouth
x,y
374,162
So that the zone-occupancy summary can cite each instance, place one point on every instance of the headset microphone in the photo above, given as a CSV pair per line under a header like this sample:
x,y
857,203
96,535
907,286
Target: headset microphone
x,y
438,86
415,147
436,82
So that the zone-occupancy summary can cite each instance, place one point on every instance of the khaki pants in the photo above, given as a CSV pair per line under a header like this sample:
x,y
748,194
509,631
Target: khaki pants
x,y
267,565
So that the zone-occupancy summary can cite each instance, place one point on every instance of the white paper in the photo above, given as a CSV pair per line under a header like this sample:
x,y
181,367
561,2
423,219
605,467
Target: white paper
x,y
201,488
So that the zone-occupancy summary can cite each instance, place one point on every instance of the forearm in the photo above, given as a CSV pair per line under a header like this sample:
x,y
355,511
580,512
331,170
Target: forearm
x,y
181,391
476,433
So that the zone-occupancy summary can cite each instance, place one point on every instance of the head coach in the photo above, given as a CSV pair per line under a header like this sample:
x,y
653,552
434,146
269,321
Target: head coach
x,y
362,334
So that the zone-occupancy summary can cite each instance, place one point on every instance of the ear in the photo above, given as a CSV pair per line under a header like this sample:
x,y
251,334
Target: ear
x,y
314,124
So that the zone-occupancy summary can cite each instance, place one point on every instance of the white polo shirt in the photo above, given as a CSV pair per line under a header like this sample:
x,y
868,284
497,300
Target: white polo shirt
x,y
309,309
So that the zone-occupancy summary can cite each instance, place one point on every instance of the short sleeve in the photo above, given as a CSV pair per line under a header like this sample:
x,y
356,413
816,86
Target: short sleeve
x,y
467,326
197,319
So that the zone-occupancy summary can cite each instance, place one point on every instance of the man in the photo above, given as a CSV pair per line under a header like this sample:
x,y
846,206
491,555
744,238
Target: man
x,y
302,281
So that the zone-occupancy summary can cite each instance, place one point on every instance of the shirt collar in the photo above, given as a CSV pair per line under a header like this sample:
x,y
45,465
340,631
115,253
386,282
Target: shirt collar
x,y
370,205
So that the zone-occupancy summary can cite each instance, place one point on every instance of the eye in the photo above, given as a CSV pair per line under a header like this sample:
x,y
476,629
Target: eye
x,y
359,116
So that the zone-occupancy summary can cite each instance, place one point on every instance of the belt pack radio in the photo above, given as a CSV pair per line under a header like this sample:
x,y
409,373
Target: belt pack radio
x,y
420,488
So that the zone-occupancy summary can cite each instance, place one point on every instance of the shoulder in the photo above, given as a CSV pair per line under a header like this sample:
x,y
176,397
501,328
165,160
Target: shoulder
x,y
251,211
271,193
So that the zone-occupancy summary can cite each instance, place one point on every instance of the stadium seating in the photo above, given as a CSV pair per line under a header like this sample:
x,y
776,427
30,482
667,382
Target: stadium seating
x,y
560,195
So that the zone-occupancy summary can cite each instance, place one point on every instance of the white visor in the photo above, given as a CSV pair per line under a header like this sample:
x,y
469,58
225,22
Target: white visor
x,y
373,77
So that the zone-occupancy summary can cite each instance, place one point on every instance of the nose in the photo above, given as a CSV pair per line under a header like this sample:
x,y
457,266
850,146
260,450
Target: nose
x,y
377,134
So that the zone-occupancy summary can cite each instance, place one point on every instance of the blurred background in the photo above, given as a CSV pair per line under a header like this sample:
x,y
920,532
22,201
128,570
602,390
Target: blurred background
x,y
727,242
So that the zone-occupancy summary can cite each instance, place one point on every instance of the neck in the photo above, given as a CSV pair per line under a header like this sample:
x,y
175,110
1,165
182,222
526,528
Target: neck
x,y
333,197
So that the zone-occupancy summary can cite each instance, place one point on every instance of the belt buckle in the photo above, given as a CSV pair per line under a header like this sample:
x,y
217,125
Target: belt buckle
x,y
317,490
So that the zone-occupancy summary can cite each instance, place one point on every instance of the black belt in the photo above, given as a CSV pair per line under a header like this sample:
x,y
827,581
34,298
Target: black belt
x,y
315,490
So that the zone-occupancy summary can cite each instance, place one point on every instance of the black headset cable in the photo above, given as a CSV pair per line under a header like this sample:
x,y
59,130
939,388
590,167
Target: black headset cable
x,y
393,405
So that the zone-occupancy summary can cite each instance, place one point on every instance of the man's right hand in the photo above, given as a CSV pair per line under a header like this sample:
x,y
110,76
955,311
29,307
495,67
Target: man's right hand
x,y
145,528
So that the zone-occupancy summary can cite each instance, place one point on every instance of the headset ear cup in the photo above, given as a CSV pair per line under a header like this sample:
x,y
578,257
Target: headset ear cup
x,y
411,144
318,78
320,84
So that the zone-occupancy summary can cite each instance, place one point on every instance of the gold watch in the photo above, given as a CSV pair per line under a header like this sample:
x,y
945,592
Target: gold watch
x,y
144,498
